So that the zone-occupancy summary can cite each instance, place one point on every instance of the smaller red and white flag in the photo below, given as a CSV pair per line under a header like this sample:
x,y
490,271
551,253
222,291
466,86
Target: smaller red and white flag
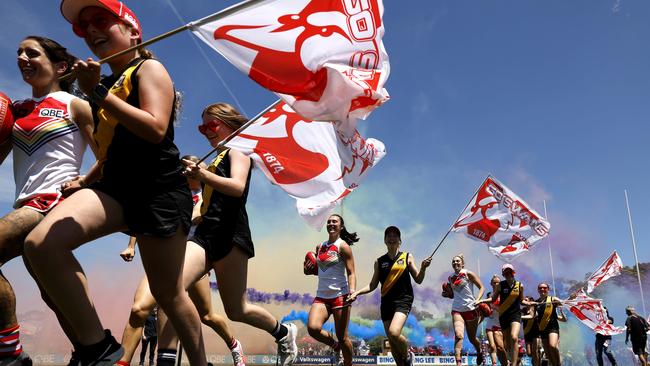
x,y
591,313
610,268
324,58
498,217
312,161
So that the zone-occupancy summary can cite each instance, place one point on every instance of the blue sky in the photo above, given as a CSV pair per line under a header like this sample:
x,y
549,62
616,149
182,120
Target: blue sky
x,y
550,97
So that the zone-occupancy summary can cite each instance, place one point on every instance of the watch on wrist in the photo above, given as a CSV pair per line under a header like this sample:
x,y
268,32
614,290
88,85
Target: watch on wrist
x,y
99,93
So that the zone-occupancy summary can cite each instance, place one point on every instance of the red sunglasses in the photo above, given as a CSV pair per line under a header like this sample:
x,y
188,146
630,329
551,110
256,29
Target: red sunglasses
x,y
99,21
210,125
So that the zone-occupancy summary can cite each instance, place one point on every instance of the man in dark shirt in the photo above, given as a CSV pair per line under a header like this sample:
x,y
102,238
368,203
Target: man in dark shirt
x,y
149,337
602,344
637,327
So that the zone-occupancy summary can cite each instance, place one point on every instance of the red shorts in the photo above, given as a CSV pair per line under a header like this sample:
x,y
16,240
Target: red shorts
x,y
334,303
43,202
494,328
466,315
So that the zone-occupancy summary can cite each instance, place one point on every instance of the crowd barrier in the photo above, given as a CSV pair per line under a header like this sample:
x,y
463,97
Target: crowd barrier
x,y
218,359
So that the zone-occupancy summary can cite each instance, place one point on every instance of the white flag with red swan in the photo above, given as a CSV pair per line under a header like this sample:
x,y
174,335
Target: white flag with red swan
x,y
591,313
610,268
497,217
312,161
324,58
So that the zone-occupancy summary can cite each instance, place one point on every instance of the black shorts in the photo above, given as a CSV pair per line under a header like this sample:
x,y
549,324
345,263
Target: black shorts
x,y
530,338
544,333
218,247
638,346
389,308
157,214
505,321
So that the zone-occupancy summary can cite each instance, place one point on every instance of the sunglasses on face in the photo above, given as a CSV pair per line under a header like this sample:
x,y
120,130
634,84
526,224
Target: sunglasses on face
x,y
540,288
209,126
99,21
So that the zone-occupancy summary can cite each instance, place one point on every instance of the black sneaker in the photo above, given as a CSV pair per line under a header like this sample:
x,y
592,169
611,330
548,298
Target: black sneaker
x,y
74,359
112,353
21,360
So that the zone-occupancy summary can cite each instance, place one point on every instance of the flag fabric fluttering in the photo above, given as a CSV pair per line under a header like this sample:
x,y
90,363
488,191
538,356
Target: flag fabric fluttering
x,y
312,161
497,217
591,313
610,268
324,58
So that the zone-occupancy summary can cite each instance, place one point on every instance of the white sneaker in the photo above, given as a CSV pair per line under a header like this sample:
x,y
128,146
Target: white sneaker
x,y
338,358
287,348
238,354
410,359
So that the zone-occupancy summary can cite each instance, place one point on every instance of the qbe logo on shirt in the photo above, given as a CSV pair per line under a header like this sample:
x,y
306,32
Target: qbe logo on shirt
x,y
51,112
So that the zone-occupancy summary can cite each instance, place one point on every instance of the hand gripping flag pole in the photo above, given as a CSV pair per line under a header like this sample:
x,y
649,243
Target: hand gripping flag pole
x,y
459,215
218,15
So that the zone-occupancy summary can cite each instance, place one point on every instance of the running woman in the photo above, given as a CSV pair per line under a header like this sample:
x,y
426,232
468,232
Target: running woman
x,y
511,294
199,292
336,281
493,328
392,270
464,313
531,332
548,322
222,240
49,137
134,110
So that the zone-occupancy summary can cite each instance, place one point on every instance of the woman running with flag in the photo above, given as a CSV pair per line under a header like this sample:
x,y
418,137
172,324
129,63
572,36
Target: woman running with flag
x,y
222,240
392,270
134,110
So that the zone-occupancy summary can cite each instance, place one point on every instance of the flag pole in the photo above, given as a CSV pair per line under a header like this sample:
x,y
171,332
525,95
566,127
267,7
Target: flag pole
x,y
459,215
216,16
636,258
223,142
550,254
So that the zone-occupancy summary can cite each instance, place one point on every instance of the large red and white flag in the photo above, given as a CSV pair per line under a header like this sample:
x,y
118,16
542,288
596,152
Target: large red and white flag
x,y
325,58
591,313
610,268
312,161
497,217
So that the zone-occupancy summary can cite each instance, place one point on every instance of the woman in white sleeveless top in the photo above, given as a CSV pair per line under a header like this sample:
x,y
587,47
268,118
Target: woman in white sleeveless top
x,y
463,310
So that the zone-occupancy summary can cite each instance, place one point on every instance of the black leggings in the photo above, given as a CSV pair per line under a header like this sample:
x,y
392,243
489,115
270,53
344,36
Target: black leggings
x,y
600,348
151,341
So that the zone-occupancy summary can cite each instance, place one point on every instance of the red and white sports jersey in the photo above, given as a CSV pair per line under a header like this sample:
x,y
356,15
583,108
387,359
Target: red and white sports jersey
x,y
332,276
463,292
47,146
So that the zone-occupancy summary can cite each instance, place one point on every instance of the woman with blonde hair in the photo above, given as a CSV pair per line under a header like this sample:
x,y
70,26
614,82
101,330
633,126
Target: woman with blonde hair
x,y
464,312
493,328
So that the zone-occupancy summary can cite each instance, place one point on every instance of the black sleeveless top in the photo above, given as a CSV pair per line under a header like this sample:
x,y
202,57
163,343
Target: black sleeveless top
x,y
553,323
128,158
402,290
224,218
514,310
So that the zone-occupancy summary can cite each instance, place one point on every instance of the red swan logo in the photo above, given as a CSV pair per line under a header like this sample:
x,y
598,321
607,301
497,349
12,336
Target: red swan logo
x,y
284,72
290,163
